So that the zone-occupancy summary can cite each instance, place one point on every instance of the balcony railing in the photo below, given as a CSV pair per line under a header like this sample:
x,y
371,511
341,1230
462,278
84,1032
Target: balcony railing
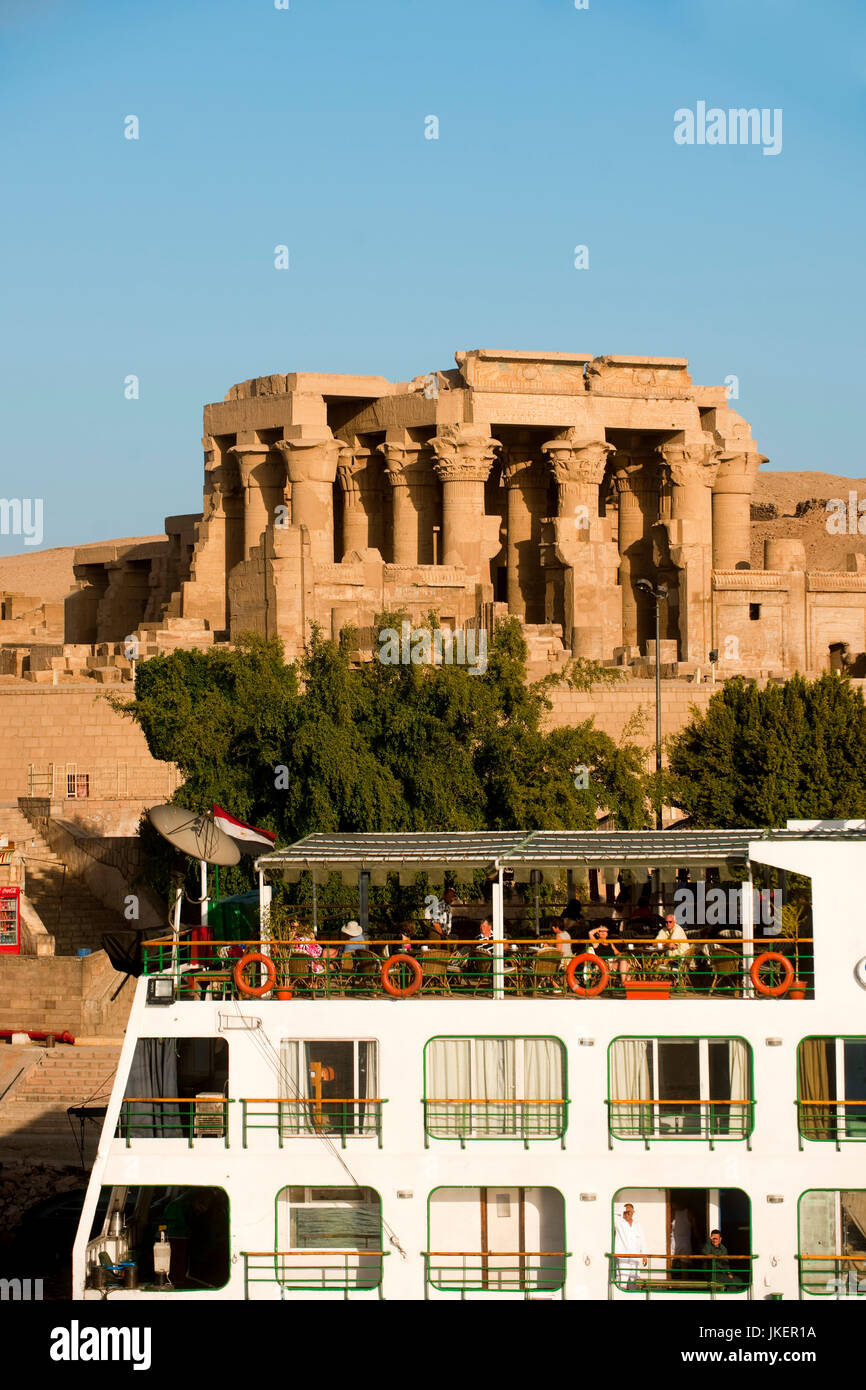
x,y
291,1119
700,968
315,1271
660,1274
173,1117
831,1121
499,1271
713,1120
468,1120
833,1276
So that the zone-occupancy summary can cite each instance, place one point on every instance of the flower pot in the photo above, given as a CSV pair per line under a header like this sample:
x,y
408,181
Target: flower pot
x,y
798,989
647,989
282,993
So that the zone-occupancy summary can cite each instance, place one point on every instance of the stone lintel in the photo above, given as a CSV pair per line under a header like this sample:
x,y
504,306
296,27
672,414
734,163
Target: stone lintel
x,y
667,377
593,412
749,581
535,372
510,355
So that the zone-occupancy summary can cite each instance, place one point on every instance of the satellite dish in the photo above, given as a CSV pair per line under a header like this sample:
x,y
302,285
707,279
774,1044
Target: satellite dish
x,y
193,834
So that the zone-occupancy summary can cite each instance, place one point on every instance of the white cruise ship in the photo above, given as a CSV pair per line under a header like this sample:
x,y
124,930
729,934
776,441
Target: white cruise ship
x,y
636,1110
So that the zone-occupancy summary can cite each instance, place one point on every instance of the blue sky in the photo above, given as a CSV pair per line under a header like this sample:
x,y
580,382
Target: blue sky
x,y
305,127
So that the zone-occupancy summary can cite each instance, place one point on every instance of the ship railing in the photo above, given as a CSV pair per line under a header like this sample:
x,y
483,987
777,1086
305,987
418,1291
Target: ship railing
x,y
469,1119
528,968
832,1276
315,1271
495,1271
345,1118
651,1274
174,1117
831,1121
713,1120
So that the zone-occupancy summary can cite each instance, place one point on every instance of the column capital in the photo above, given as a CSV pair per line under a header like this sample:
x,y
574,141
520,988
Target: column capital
x,y
737,471
577,458
248,456
463,453
691,463
311,460
401,459
522,467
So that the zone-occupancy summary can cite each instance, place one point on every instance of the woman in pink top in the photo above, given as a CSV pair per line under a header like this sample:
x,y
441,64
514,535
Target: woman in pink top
x,y
304,943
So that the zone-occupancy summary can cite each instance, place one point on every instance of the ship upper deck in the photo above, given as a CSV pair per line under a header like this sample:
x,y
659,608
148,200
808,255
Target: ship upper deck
x,y
690,914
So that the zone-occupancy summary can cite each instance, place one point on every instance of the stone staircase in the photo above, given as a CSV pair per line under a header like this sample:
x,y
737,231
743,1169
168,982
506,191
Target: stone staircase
x,y
73,916
33,1119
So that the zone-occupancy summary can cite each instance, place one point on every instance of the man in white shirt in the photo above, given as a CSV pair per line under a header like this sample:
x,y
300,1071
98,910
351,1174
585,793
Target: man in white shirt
x,y
629,1241
671,938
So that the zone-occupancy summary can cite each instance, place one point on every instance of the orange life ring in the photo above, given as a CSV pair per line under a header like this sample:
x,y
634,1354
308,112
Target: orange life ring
x,y
254,991
571,974
772,990
414,984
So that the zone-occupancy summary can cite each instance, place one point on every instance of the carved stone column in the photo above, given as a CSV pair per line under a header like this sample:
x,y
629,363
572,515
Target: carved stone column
x,y
732,500
261,487
413,497
464,456
526,478
590,598
692,469
311,465
635,477
356,483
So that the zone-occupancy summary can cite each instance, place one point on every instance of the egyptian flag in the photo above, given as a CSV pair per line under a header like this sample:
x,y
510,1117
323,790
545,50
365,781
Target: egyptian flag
x,y
250,839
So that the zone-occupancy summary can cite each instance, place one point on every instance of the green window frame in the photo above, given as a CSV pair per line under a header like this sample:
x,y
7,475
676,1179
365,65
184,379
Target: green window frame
x,y
330,1263
648,1118
510,1116
661,1275
826,1118
837,1273
490,1271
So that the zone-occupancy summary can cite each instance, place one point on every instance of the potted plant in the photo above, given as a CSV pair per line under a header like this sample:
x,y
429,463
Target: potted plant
x,y
793,917
648,976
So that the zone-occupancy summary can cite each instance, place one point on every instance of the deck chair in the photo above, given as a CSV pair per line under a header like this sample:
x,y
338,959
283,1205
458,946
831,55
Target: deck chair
x,y
724,963
366,972
544,970
299,973
435,974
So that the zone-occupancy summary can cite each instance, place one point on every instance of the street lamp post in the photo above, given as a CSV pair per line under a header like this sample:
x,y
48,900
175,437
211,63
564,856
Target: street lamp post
x,y
657,594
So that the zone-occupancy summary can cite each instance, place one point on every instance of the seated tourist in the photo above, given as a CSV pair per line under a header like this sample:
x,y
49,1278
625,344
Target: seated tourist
x,y
671,938
407,946
599,944
356,940
304,943
562,937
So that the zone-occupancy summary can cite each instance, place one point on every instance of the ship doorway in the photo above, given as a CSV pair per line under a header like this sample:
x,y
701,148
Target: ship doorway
x,y
503,1236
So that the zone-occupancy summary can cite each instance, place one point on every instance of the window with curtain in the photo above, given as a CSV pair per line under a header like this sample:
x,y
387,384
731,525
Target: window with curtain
x,y
831,1088
680,1088
337,1081
832,1236
313,1221
495,1088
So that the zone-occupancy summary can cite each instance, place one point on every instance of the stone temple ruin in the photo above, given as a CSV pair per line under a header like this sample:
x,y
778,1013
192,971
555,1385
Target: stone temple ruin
x,y
542,485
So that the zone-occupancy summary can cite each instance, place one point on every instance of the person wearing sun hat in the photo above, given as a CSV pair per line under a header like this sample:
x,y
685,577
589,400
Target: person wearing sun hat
x,y
356,941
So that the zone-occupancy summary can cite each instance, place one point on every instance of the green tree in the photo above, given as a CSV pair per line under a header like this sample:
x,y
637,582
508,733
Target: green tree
x,y
761,757
331,746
